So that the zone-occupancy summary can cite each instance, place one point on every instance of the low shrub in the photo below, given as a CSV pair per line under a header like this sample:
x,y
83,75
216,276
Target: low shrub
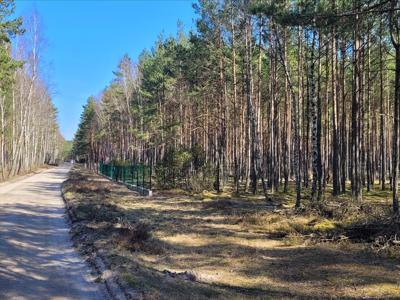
x,y
219,204
138,237
185,168
141,232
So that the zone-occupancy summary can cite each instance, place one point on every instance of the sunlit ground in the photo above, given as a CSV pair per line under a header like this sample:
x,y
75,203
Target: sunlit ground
x,y
231,247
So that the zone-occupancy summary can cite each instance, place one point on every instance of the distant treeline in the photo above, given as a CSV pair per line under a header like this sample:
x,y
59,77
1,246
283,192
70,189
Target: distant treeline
x,y
262,91
29,134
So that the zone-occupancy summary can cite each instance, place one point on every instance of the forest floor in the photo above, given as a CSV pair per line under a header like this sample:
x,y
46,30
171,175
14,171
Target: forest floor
x,y
177,245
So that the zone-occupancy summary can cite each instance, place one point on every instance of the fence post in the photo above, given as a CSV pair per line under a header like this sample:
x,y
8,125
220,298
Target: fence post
x,y
143,175
151,173
131,173
137,176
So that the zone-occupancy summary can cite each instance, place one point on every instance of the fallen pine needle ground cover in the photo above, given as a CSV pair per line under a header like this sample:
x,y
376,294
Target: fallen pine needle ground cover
x,y
175,245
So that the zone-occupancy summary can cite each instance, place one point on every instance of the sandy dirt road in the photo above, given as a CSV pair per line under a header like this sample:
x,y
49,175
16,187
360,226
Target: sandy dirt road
x,y
37,259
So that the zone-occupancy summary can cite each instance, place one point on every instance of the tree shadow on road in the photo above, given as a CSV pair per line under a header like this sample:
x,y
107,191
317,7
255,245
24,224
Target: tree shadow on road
x,y
37,260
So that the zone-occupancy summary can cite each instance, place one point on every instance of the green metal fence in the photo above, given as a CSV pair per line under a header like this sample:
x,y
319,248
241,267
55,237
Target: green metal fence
x,y
138,175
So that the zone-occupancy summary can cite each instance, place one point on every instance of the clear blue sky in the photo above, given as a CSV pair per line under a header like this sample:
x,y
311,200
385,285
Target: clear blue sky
x,y
86,39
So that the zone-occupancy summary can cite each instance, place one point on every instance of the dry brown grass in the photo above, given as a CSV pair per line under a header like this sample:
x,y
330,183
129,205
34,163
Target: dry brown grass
x,y
177,246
